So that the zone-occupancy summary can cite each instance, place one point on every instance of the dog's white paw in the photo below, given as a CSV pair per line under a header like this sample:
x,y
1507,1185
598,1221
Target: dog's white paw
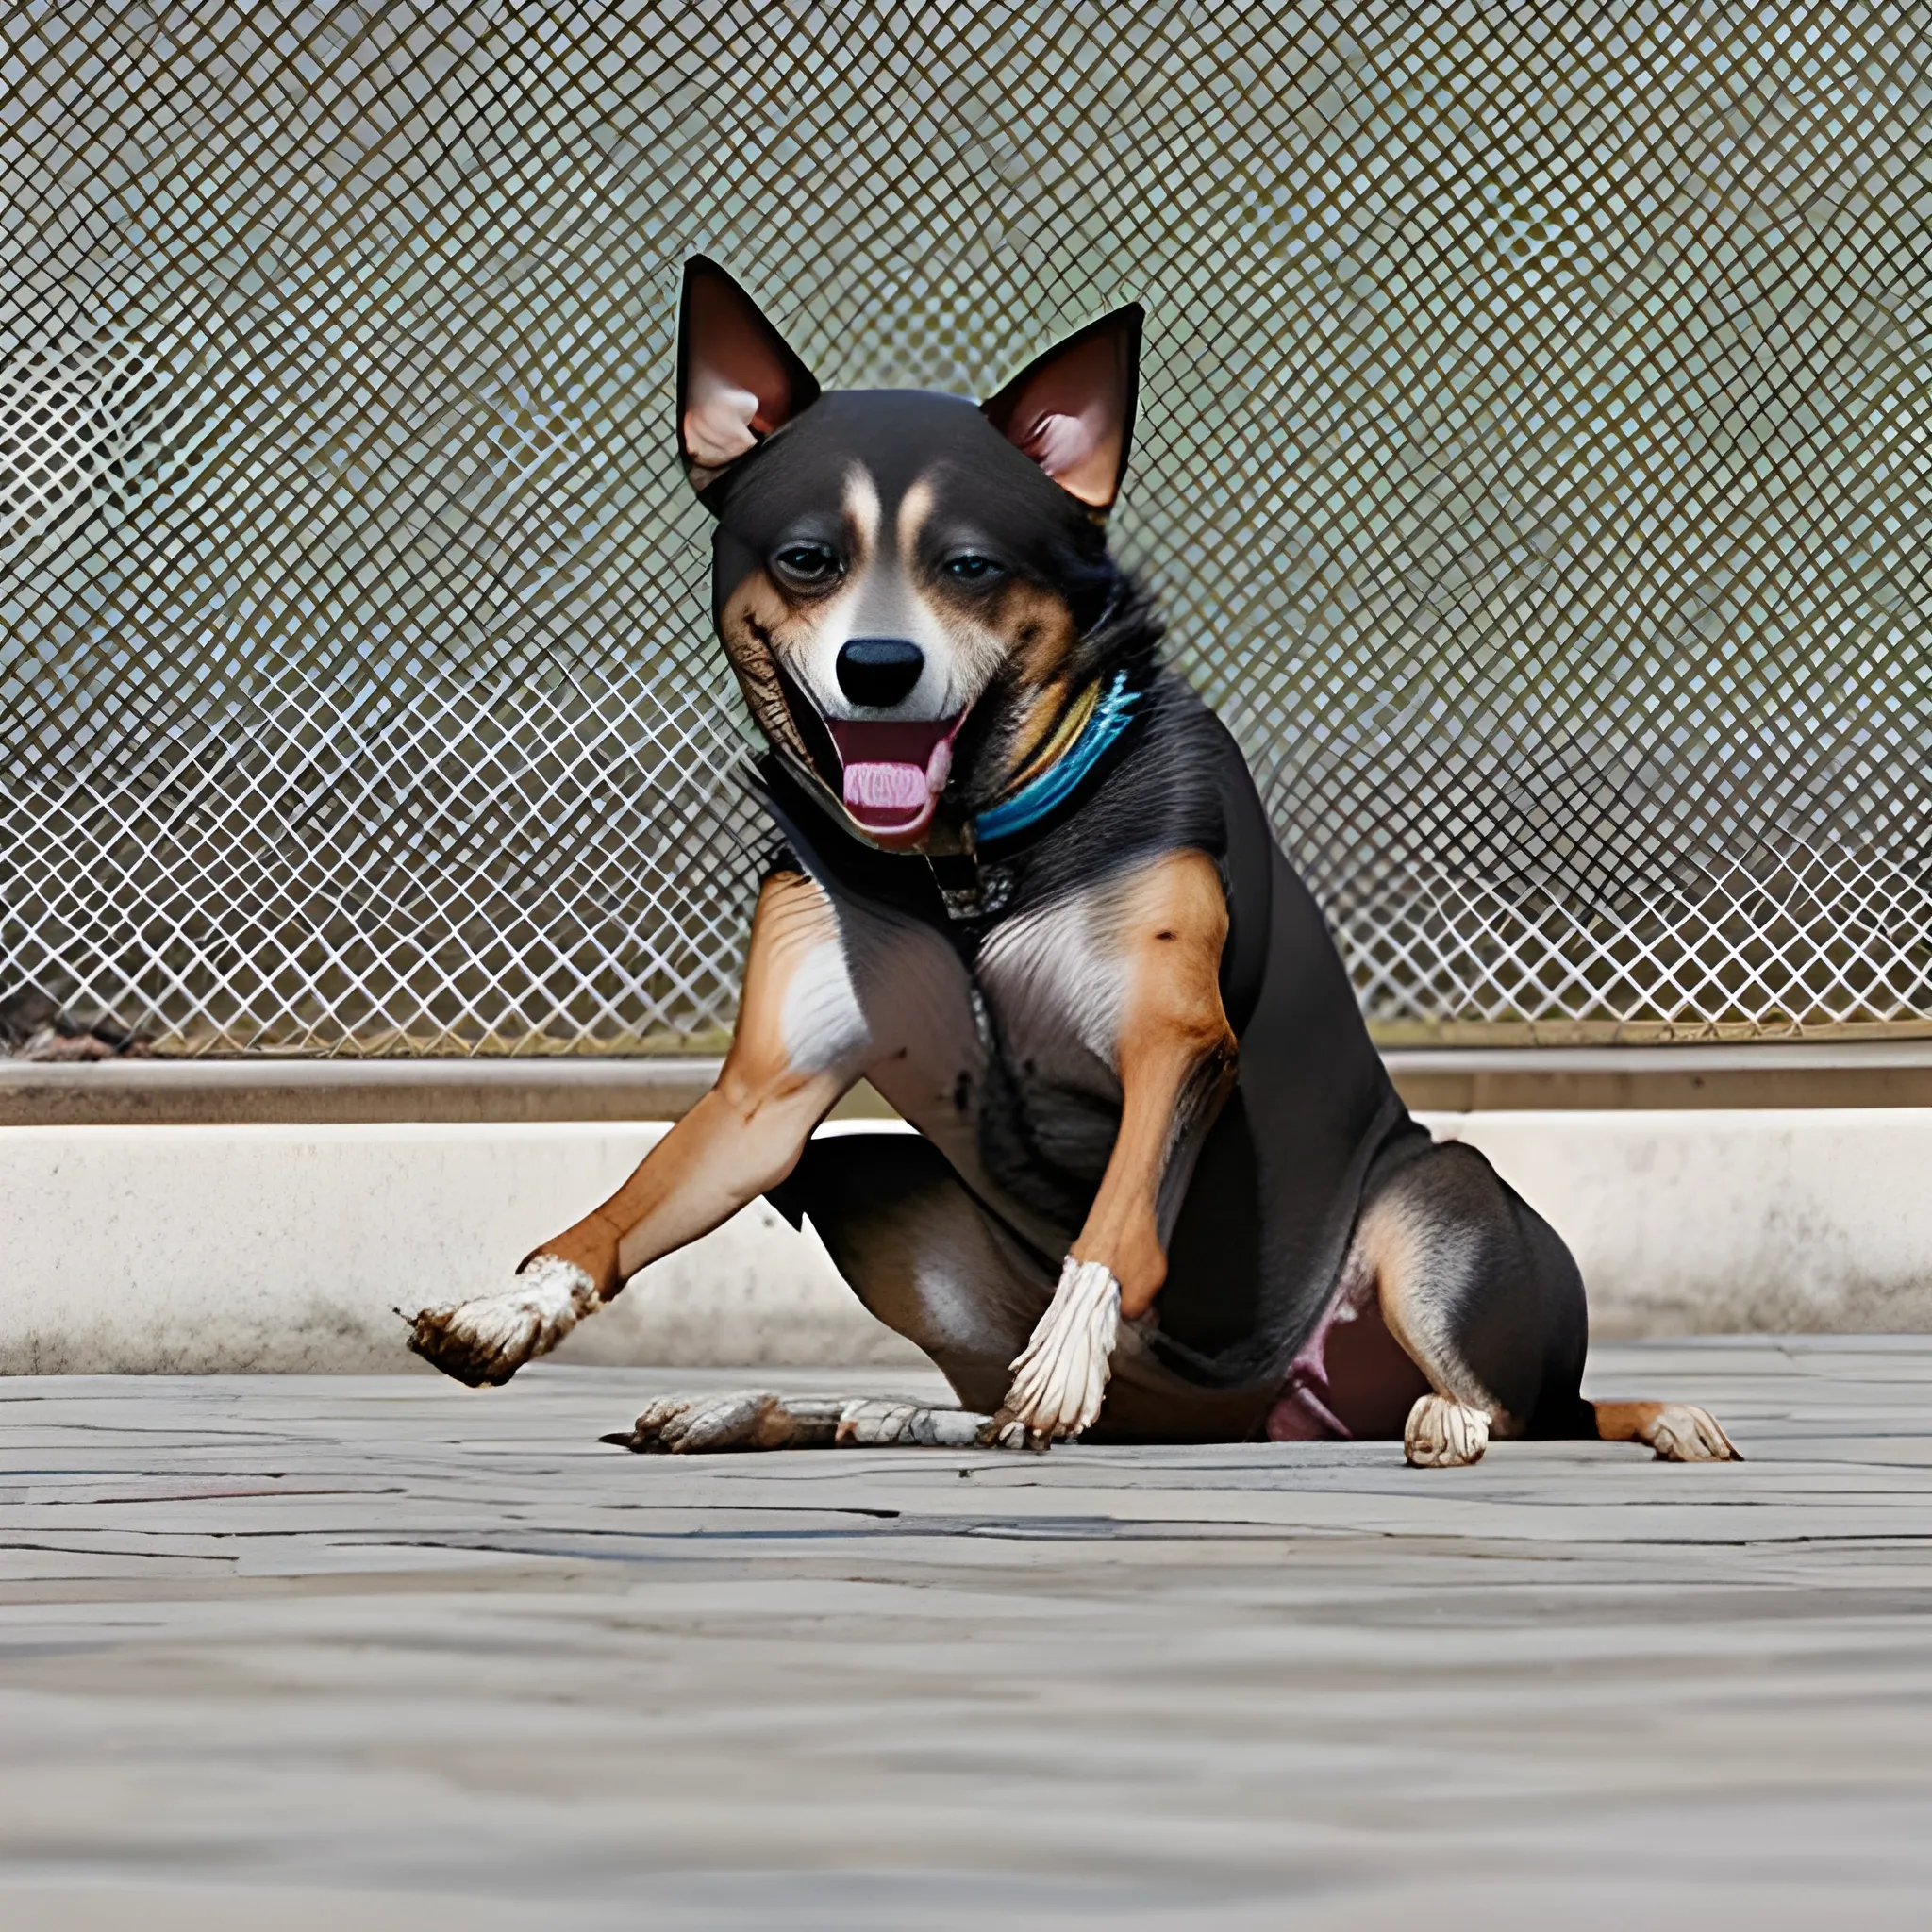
x,y
1441,1434
1059,1378
1681,1433
489,1338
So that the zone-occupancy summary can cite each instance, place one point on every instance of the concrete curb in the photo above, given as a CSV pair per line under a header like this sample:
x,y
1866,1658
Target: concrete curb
x,y
274,1247
1786,1221
198,1250
259,1090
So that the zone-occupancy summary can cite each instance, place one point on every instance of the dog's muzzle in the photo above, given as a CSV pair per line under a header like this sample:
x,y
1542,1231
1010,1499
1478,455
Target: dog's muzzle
x,y
889,771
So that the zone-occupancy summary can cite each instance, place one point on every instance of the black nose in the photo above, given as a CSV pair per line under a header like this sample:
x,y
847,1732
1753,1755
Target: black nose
x,y
878,671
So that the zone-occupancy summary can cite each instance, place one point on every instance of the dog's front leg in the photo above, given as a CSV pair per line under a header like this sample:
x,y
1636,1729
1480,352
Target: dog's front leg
x,y
1175,1058
800,1043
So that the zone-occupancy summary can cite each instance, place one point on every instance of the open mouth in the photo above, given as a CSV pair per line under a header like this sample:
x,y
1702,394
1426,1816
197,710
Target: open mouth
x,y
893,772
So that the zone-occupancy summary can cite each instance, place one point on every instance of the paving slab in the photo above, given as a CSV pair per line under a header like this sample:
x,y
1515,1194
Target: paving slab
x,y
379,1651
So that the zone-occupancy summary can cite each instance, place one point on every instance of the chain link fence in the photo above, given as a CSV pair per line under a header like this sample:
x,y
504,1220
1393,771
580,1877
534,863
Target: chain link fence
x,y
1536,455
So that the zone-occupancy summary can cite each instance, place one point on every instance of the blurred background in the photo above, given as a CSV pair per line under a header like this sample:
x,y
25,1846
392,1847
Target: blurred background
x,y
1535,457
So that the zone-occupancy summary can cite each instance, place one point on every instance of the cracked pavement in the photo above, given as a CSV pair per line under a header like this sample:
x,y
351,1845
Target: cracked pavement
x,y
386,1652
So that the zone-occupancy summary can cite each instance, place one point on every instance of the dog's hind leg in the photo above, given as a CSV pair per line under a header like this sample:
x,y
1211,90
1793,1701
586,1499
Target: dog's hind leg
x,y
922,1253
924,1257
1677,1431
761,1419
1482,1296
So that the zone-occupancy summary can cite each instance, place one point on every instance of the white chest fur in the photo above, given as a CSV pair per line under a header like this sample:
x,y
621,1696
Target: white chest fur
x,y
1009,1068
1044,996
1054,980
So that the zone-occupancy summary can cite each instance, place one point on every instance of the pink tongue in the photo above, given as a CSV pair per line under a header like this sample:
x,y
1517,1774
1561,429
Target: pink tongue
x,y
886,787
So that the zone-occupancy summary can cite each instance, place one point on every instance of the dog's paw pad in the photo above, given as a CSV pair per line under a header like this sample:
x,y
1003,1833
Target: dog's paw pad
x,y
1682,1433
1441,1434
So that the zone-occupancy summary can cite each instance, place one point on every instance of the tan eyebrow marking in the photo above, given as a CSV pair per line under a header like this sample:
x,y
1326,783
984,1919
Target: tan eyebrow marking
x,y
862,511
914,508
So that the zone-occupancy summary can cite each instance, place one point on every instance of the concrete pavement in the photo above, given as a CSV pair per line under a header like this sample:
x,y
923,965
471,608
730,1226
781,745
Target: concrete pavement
x,y
382,1652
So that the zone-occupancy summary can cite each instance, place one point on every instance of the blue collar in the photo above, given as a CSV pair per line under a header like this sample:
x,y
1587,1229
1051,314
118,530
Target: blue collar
x,y
1054,785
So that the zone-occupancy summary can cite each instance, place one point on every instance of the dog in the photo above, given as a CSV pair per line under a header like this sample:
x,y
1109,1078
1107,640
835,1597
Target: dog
x,y
1162,1188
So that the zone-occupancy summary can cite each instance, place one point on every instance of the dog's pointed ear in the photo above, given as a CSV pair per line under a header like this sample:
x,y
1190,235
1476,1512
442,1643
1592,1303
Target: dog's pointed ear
x,y
737,380
1073,410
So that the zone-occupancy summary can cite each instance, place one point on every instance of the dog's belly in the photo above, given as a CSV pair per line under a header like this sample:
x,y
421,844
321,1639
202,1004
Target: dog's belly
x,y
1008,1070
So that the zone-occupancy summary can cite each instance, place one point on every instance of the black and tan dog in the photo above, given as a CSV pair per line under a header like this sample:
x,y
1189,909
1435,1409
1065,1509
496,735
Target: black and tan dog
x,y
1161,1187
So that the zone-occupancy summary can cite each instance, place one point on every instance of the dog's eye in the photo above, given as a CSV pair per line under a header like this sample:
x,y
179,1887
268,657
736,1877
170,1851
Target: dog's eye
x,y
807,564
969,567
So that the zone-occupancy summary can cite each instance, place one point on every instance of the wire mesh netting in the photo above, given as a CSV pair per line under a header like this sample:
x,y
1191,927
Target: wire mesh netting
x,y
1533,458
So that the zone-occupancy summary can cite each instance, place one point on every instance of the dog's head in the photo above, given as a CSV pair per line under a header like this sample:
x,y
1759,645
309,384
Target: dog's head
x,y
914,591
